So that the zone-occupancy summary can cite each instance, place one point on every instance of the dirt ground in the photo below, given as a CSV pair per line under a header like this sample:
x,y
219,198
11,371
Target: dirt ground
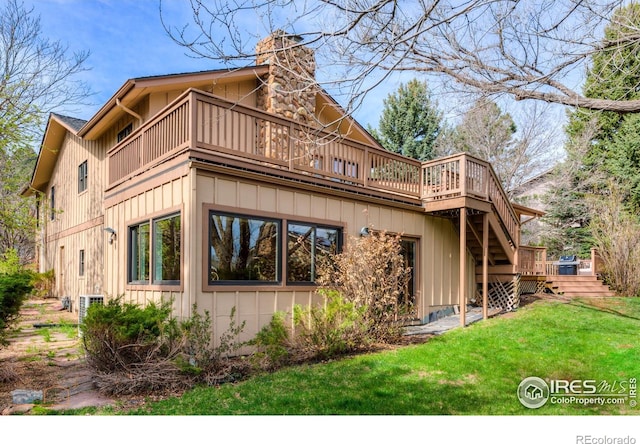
x,y
43,356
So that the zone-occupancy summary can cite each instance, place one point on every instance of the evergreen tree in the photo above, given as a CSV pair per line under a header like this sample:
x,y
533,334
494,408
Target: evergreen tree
x,y
601,144
410,122
488,133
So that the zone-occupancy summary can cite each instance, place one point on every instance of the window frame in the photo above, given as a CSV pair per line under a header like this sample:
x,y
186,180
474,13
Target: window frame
x,y
414,270
152,283
83,176
213,284
124,132
313,260
52,202
81,262
131,229
153,251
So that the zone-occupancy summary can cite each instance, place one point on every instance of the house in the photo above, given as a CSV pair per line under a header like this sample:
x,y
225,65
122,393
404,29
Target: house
x,y
197,186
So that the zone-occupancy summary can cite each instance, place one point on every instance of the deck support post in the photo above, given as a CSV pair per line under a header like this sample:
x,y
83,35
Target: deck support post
x,y
463,267
485,266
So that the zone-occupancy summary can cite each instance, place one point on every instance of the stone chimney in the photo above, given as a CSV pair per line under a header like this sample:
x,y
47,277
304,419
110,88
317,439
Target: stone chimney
x,y
290,88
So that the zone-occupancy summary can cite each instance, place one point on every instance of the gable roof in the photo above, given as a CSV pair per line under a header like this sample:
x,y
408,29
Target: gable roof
x,y
54,134
133,89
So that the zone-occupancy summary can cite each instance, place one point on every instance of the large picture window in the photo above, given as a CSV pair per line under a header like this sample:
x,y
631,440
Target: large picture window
x,y
139,253
307,245
243,248
166,250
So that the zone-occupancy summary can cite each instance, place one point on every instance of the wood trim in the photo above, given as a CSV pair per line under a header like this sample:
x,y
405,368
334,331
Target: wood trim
x,y
76,229
172,170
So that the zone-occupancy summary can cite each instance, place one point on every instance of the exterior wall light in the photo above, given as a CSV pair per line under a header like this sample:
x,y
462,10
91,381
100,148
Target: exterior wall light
x,y
112,234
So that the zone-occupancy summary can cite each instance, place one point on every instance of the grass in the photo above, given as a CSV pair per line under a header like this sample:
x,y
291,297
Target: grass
x,y
472,371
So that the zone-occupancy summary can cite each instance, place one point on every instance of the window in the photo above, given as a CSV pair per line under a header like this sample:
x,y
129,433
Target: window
x,y
409,253
53,203
166,250
125,132
81,263
154,251
307,245
139,253
83,172
243,248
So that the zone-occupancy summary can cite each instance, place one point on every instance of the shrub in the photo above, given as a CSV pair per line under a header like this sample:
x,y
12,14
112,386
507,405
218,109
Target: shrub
x,y
334,328
116,335
273,344
14,289
143,349
43,284
371,274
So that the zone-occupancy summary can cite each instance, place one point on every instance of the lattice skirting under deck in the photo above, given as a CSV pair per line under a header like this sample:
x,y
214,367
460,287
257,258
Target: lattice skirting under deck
x,y
531,286
504,294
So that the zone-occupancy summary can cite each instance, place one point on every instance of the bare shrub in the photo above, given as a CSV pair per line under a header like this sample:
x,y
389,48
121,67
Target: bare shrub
x,y
371,273
8,373
616,235
135,350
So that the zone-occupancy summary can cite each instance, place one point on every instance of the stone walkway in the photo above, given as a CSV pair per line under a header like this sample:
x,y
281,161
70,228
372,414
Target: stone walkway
x,y
447,323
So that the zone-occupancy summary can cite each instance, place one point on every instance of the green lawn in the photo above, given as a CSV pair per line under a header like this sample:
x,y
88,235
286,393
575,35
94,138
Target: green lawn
x,y
472,371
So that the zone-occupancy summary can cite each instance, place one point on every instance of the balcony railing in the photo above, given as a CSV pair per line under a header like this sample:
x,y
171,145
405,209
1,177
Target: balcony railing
x,y
532,260
462,175
199,120
202,122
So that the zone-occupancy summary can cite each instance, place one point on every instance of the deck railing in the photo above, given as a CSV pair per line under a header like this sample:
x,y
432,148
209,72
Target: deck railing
x,y
532,260
205,121
202,121
462,175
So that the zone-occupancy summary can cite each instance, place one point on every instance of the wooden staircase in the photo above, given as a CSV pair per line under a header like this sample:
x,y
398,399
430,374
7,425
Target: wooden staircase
x,y
578,286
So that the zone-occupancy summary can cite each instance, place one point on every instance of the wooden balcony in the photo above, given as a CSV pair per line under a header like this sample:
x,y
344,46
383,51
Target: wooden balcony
x,y
215,130
201,122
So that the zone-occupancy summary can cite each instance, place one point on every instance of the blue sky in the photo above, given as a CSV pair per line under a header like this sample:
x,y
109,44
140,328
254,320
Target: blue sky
x,y
126,40
125,37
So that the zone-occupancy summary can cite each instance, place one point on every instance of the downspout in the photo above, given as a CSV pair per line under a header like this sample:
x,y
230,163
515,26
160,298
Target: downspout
x,y
129,111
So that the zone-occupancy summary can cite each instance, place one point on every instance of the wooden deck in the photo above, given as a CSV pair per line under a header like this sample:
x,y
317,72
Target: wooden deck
x,y
215,130
539,274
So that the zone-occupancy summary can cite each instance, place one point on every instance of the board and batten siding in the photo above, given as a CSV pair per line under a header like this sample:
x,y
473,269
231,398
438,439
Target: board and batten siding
x,y
78,219
438,243
154,196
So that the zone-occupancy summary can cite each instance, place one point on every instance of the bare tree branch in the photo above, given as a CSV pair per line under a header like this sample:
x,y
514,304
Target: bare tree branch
x,y
534,49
